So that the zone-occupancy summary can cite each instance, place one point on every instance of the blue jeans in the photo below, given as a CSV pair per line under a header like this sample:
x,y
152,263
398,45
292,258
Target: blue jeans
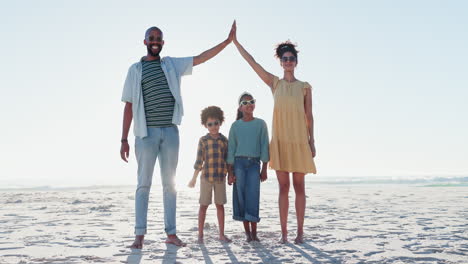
x,y
246,190
161,143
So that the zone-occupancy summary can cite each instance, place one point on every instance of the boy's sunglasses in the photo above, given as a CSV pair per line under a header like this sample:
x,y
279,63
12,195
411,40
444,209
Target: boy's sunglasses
x,y
210,124
290,58
247,102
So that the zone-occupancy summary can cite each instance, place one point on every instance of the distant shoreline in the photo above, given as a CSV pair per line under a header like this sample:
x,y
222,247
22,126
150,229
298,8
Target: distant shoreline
x,y
423,181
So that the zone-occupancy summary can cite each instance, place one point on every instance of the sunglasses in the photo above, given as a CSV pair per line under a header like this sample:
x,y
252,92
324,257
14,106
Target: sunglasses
x,y
290,58
157,39
247,102
210,124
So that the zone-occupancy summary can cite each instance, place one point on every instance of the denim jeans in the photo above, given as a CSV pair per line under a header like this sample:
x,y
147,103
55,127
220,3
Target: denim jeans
x,y
246,190
162,143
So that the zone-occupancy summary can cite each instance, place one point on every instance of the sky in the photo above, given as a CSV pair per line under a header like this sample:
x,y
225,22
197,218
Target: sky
x,y
389,82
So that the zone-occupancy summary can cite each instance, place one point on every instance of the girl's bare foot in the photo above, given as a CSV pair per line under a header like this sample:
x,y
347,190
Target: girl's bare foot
x,y
248,237
224,239
299,239
138,243
255,238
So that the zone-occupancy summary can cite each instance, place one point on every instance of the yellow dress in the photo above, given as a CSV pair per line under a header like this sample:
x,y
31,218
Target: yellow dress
x,y
289,146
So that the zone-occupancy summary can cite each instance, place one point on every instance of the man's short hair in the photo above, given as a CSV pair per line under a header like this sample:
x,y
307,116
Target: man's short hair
x,y
148,31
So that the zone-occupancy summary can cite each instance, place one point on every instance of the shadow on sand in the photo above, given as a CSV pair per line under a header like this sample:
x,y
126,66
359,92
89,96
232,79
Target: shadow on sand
x,y
320,256
170,255
135,256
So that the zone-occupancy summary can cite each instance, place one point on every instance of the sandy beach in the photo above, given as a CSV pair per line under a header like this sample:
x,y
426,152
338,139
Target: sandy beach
x,y
354,223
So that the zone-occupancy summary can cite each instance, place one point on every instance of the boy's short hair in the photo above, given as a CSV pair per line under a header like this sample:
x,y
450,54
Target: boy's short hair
x,y
212,112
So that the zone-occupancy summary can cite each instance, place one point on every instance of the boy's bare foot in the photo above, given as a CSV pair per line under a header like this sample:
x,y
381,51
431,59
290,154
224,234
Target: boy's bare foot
x,y
138,243
200,240
283,240
224,239
299,239
173,239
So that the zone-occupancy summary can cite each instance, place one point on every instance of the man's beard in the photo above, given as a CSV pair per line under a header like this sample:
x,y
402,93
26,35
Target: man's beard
x,y
151,52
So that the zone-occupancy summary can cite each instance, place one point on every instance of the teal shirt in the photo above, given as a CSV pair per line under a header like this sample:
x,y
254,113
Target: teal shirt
x,y
248,139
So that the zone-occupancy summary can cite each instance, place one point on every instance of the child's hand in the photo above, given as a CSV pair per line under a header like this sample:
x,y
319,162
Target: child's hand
x,y
263,176
192,182
231,179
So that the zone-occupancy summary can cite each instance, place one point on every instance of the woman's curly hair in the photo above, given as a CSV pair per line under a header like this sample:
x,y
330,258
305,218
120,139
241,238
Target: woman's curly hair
x,y
212,112
285,47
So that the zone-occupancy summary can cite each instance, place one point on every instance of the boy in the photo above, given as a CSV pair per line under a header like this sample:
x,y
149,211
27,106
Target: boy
x,y
211,160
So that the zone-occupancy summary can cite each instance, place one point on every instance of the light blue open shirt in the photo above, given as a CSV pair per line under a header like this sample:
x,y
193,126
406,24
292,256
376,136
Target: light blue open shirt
x,y
174,69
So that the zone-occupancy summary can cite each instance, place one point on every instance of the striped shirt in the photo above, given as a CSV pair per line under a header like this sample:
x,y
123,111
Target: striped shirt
x,y
211,157
157,98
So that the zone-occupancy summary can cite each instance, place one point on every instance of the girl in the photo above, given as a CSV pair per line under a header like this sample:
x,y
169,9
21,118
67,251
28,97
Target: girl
x,y
247,146
292,145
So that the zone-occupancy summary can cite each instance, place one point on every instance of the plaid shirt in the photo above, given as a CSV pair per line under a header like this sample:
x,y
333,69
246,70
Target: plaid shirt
x,y
211,157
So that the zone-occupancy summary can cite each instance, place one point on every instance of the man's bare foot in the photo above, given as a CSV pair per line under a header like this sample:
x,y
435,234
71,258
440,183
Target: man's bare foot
x,y
225,239
173,239
200,240
283,240
299,239
248,237
138,243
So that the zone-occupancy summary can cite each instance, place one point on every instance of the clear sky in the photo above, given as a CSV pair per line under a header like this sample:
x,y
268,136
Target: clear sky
x,y
389,78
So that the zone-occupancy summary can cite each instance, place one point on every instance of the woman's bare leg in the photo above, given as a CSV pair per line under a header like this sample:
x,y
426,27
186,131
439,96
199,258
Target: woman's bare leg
x,y
283,203
299,188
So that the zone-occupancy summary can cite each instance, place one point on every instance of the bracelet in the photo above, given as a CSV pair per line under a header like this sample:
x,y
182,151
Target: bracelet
x,y
123,140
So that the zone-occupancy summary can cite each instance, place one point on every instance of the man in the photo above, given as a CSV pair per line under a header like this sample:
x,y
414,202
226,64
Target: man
x,y
153,99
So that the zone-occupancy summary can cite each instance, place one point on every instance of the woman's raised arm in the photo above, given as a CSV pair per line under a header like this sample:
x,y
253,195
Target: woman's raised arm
x,y
261,72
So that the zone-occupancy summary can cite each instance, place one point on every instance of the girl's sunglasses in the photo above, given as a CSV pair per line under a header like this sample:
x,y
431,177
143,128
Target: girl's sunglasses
x,y
290,58
210,124
247,102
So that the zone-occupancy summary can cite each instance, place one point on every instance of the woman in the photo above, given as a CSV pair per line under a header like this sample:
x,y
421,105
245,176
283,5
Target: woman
x,y
292,146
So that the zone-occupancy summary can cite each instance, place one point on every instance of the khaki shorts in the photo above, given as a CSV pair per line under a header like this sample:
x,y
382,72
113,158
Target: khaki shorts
x,y
207,188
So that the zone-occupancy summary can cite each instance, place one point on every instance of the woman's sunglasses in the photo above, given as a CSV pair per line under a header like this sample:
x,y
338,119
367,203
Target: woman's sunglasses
x,y
210,124
290,58
247,102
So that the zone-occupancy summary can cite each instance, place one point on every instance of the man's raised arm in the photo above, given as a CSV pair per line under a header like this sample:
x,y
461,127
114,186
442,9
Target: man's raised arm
x,y
208,54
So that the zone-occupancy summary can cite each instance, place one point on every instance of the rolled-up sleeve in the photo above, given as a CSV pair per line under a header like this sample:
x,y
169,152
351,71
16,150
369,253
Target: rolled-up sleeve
x,y
127,93
265,153
184,65
200,156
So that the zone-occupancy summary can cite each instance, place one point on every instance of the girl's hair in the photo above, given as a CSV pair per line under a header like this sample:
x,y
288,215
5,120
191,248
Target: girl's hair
x,y
285,47
212,112
239,113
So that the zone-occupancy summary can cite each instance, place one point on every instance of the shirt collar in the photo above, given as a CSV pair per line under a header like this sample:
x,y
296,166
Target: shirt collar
x,y
143,59
208,136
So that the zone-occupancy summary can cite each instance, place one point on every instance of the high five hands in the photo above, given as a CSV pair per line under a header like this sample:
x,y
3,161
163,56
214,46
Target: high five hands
x,y
232,33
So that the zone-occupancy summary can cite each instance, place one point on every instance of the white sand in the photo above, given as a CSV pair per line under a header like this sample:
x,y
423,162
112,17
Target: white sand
x,y
344,224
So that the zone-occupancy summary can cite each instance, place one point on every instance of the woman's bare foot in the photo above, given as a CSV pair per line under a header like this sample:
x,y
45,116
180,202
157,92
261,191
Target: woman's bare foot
x,y
283,240
173,239
299,239
138,243
225,239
